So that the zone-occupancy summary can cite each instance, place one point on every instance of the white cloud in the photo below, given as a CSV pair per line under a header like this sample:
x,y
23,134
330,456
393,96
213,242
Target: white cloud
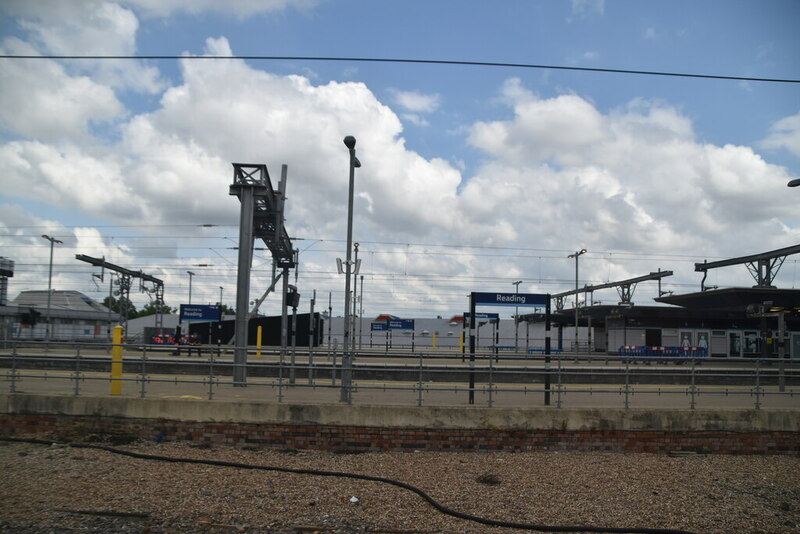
x,y
90,27
631,179
560,173
785,133
40,100
416,101
235,8
587,8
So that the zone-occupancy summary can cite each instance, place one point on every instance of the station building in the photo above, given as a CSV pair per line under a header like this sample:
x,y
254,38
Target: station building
x,y
73,317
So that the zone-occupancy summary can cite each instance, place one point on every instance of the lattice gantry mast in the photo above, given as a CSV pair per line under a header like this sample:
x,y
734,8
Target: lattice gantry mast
x,y
763,267
125,278
260,216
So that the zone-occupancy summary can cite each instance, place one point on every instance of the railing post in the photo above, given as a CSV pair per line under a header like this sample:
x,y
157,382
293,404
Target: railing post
x,y
558,382
627,381
143,372
211,370
14,369
419,394
280,376
758,384
692,388
77,371
491,376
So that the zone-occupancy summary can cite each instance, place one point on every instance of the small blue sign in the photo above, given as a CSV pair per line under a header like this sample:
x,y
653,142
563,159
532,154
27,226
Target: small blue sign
x,y
200,312
401,324
379,327
483,315
536,300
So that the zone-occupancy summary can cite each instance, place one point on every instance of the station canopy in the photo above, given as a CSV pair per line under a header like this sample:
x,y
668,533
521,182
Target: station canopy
x,y
735,298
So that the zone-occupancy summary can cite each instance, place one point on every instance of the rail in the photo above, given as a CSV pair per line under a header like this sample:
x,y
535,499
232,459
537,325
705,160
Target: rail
x,y
560,380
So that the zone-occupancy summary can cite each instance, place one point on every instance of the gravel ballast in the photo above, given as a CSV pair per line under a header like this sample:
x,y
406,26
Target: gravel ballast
x,y
59,488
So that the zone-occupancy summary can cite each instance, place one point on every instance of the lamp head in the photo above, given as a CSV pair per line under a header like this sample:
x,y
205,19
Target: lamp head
x,y
350,142
794,183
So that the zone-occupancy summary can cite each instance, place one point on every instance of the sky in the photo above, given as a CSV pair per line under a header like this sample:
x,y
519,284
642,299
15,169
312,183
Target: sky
x,y
472,177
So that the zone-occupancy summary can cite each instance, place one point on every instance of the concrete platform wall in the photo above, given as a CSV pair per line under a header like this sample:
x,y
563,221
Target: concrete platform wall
x,y
374,428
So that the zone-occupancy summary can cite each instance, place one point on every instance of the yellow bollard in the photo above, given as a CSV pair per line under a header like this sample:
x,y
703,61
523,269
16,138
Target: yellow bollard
x,y
433,346
116,361
258,341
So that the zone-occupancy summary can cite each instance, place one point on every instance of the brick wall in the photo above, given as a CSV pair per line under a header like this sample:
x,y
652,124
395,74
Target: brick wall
x,y
363,438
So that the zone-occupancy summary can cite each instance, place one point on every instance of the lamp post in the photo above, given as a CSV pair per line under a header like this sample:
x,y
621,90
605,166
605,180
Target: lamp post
x,y
53,241
516,318
220,299
191,274
576,255
347,361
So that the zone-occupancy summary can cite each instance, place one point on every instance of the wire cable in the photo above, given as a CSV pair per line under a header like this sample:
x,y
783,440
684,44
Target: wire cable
x,y
403,485
419,61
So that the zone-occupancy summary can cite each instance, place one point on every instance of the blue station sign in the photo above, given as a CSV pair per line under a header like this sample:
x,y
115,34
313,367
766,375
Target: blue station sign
x,y
401,324
491,316
534,300
381,326
200,312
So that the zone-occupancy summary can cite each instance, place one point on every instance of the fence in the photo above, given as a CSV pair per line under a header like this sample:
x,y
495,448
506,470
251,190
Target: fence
x,y
399,377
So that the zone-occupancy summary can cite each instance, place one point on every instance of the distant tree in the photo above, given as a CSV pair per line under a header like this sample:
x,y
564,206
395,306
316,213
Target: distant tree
x,y
120,306
227,311
151,309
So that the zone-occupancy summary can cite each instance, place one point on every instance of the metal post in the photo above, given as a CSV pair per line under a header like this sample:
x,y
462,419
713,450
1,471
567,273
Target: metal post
x,y
354,315
143,372
627,381
284,331
243,286
191,274
347,363
516,317
361,312
491,378
471,349
781,352
692,389
558,382
53,241
576,255
547,353
292,369
330,320
419,394
311,338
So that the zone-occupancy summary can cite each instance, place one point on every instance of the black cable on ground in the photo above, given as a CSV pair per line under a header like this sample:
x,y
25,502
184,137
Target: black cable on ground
x,y
440,507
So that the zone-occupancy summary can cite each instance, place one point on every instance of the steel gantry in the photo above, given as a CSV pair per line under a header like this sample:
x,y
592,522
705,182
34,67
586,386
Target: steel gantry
x,y
260,216
625,288
125,278
763,267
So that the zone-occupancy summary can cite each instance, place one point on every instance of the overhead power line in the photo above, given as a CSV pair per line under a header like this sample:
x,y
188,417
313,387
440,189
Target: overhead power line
x,y
418,61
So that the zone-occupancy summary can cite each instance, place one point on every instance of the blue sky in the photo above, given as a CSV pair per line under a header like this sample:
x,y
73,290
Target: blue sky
x,y
472,177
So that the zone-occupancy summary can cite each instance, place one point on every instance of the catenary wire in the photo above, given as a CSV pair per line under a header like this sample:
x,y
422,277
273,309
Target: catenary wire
x,y
413,61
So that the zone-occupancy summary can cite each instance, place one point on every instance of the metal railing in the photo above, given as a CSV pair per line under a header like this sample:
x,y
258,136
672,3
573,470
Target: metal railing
x,y
403,377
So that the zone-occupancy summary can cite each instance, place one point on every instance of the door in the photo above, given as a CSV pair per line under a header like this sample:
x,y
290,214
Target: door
x,y
735,344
